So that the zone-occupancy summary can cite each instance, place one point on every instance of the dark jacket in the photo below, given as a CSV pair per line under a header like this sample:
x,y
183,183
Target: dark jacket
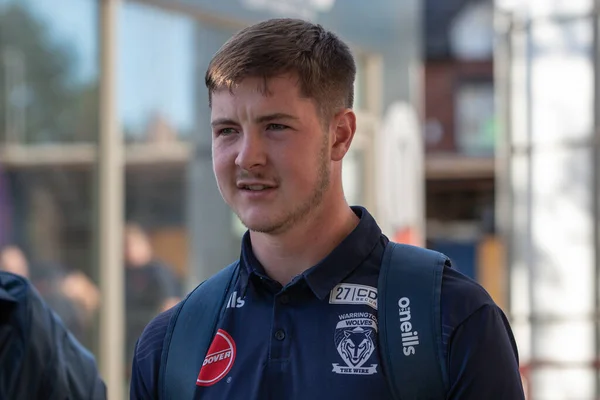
x,y
39,357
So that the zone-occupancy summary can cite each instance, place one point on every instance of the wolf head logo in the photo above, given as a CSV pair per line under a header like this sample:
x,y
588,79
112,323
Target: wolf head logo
x,y
356,346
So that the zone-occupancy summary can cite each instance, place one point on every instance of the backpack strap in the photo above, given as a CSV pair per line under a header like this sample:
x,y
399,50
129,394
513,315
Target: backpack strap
x,y
190,332
410,327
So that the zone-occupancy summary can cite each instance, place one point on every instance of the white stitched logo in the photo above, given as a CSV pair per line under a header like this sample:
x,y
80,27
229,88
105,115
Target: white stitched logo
x,y
355,338
349,293
235,301
410,338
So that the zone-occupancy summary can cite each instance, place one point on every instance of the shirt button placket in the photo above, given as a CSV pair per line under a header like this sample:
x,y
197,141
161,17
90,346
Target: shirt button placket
x,y
280,334
284,299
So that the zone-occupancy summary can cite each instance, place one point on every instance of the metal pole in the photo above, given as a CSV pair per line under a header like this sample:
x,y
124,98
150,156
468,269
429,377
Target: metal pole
x,y
110,209
596,185
529,252
504,196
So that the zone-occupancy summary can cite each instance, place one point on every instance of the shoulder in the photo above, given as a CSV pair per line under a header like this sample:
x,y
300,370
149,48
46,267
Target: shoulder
x,y
23,304
14,289
479,346
149,348
147,357
54,362
29,312
15,299
461,297
151,340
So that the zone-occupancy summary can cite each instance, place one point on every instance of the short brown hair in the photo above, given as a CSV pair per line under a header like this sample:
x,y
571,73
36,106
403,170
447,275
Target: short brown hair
x,y
323,63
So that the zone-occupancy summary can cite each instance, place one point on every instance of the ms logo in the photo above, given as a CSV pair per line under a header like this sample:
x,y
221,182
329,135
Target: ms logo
x,y
355,343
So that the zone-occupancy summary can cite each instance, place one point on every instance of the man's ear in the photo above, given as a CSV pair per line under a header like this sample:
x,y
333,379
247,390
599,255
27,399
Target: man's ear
x,y
343,128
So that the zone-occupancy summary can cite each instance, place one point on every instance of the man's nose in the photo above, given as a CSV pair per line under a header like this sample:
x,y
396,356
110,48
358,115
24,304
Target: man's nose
x,y
252,152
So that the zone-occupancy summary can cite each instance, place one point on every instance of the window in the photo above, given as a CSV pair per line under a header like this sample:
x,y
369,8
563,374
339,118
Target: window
x,y
475,125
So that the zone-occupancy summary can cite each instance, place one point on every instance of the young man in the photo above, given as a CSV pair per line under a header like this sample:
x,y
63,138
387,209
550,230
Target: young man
x,y
281,95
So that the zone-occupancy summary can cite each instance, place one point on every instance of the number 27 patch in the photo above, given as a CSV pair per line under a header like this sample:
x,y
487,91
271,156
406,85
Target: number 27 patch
x,y
349,293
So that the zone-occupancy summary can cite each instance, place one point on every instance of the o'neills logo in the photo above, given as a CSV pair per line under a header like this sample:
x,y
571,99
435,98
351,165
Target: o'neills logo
x,y
218,361
410,337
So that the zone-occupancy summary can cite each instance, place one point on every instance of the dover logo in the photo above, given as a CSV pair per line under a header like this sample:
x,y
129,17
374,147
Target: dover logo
x,y
355,342
218,361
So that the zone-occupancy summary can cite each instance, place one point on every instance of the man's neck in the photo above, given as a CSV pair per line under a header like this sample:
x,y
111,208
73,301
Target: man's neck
x,y
291,253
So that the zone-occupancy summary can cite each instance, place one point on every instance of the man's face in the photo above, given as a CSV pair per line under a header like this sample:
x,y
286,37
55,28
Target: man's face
x,y
271,155
138,251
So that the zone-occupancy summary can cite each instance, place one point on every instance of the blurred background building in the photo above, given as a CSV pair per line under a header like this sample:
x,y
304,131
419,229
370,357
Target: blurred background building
x,y
459,135
477,136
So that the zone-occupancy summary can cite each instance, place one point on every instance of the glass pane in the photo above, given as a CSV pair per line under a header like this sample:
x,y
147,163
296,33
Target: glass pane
x,y
560,382
475,131
49,71
48,124
156,74
563,233
156,93
562,109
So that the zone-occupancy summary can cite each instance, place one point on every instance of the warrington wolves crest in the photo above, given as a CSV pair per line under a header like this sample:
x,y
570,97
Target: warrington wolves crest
x,y
355,338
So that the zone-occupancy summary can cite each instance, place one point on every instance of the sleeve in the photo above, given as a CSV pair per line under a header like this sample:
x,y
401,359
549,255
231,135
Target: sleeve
x,y
483,359
145,368
141,386
70,370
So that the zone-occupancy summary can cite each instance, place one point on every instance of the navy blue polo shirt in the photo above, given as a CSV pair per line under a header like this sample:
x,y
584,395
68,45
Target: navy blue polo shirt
x,y
316,338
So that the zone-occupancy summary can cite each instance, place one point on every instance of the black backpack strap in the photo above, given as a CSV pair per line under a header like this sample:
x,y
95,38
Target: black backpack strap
x,y
190,332
410,327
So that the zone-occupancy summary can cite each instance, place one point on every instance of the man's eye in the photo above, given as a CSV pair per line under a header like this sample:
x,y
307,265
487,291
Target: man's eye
x,y
225,131
276,127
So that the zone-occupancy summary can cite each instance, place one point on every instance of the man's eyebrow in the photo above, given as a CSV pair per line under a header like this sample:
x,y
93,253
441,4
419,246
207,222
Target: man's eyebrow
x,y
276,116
223,121
259,120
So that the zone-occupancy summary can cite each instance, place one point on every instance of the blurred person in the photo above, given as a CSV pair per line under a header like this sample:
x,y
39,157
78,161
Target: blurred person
x,y
13,260
77,286
71,294
151,286
281,97
39,357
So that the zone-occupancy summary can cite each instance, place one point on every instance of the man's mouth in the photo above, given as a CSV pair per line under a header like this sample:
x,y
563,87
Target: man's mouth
x,y
255,187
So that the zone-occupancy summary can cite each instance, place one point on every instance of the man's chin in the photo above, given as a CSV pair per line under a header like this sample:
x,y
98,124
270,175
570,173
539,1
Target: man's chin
x,y
262,224
263,228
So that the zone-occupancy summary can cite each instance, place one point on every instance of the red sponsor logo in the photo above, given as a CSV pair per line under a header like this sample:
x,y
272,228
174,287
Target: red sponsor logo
x,y
218,360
